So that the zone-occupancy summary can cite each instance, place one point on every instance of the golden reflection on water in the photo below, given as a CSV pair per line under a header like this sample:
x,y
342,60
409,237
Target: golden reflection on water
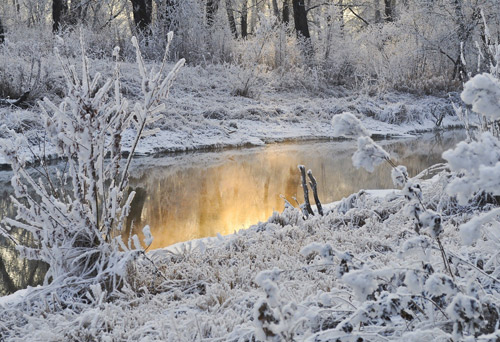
x,y
220,192
201,194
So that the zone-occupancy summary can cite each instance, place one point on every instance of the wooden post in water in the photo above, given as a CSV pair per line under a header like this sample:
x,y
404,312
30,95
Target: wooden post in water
x,y
306,190
314,187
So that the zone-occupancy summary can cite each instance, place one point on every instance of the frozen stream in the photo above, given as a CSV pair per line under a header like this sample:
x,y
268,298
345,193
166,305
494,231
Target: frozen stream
x,y
199,194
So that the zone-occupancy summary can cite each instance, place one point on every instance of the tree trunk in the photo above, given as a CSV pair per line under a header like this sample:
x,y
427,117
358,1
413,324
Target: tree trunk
x,y
341,17
9,285
276,11
388,11
378,16
59,8
254,15
300,19
244,19
286,12
211,10
230,18
460,69
142,10
2,32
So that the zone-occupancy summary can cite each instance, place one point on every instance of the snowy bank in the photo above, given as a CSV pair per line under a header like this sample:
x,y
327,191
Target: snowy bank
x,y
360,272
202,113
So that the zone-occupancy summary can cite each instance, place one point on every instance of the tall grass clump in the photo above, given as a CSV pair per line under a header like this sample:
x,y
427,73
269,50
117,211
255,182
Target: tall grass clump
x,y
75,215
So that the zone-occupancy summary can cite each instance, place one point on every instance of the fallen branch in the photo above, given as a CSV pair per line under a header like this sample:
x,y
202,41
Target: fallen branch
x,y
306,190
314,187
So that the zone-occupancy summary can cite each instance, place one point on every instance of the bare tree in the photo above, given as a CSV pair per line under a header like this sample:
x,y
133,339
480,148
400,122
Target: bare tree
x,y
244,19
389,15
59,8
276,11
300,19
230,18
286,11
2,32
165,12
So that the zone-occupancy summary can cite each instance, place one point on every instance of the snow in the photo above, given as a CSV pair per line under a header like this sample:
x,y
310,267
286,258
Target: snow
x,y
202,113
360,272
217,288
399,176
148,238
483,93
369,154
348,126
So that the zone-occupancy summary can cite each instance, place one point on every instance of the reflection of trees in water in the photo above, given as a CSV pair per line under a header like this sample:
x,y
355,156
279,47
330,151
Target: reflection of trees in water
x,y
200,200
16,273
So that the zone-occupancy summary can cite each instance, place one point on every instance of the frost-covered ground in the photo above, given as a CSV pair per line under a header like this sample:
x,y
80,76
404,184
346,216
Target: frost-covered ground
x,y
359,273
377,266
202,112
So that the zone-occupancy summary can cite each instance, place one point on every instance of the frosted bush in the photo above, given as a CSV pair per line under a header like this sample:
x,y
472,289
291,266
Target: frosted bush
x,y
439,284
348,126
483,93
75,216
430,221
369,154
362,282
471,231
412,191
399,176
466,312
479,162
325,252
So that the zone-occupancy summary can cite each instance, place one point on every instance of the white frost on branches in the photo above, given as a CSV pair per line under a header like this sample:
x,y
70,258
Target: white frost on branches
x,y
348,126
479,162
75,215
483,93
369,154
399,176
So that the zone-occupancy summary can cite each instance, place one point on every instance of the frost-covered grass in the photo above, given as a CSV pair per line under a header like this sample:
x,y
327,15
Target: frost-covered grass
x,y
414,264
202,111
360,271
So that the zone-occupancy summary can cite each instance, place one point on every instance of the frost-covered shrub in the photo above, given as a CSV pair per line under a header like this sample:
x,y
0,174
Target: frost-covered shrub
x,y
347,125
399,176
75,215
478,161
274,319
29,66
369,154
482,92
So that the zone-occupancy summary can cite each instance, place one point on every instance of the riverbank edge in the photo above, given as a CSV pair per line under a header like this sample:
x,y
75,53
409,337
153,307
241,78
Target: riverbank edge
x,y
167,142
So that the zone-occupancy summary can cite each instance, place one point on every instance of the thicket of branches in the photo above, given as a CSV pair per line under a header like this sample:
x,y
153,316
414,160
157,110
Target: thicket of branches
x,y
420,46
75,213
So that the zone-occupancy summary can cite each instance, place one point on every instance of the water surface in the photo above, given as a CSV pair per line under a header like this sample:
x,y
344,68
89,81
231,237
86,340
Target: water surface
x,y
199,194
202,194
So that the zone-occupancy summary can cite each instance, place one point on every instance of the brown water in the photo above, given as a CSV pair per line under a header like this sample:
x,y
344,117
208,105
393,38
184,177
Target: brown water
x,y
193,195
203,194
